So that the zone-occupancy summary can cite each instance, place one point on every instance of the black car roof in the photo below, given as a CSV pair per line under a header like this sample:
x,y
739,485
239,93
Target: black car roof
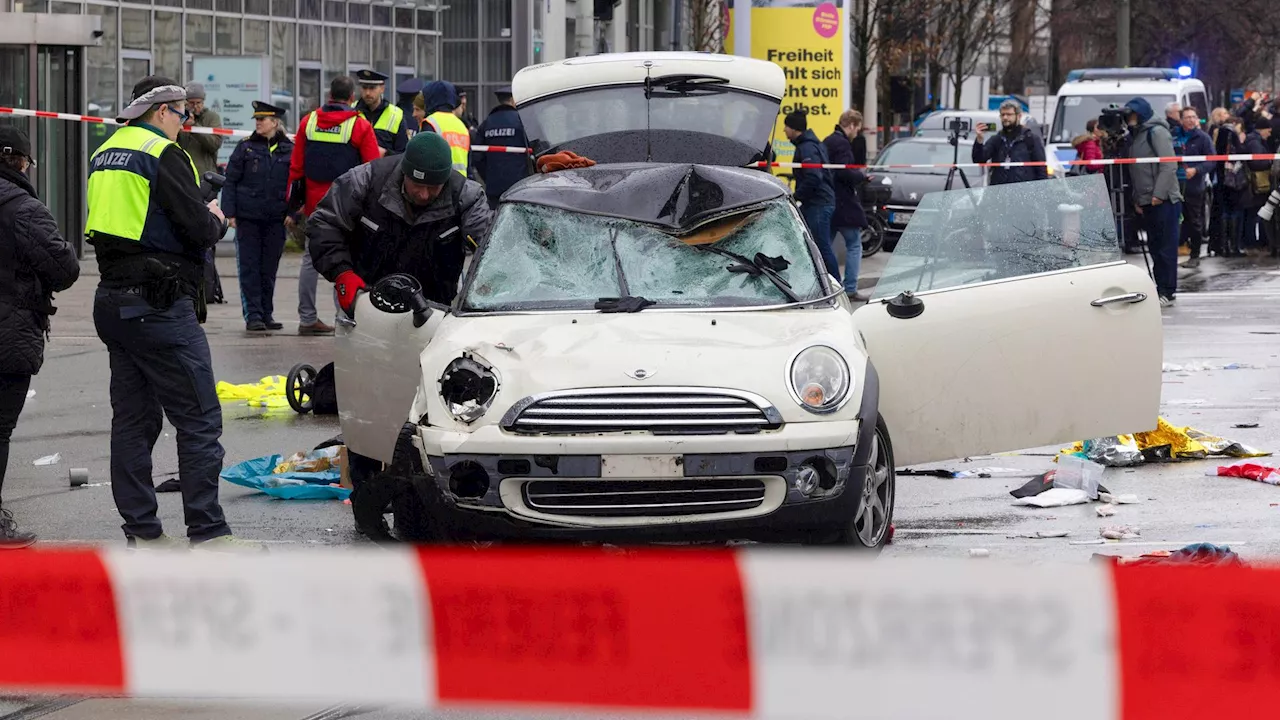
x,y
673,196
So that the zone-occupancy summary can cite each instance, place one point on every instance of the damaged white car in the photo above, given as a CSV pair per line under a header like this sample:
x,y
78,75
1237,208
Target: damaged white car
x,y
650,348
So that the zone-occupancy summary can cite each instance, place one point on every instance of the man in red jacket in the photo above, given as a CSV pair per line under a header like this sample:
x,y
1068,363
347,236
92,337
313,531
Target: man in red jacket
x,y
330,141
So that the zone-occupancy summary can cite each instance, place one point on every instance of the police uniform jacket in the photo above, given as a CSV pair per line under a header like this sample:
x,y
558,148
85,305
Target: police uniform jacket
x,y
258,179
501,170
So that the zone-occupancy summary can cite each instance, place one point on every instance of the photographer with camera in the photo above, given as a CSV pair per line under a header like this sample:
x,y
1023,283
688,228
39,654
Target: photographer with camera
x,y
1014,143
35,262
1156,196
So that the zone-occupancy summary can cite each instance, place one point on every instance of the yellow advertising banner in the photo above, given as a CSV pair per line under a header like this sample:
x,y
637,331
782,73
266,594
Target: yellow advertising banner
x,y
807,39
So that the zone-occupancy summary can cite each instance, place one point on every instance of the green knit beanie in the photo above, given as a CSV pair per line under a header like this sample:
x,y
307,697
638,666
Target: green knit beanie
x,y
428,159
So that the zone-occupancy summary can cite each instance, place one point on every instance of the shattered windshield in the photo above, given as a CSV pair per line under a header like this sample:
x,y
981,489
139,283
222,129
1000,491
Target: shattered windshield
x,y
541,258
961,237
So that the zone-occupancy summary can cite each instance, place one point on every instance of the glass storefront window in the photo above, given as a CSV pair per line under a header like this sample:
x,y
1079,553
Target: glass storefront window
x,y
310,92
358,46
170,3
427,62
199,34
135,29
257,7
282,69
309,42
133,70
462,20
335,11
382,60
283,8
497,62
15,84
460,61
310,9
66,8
167,52
358,14
200,4
335,53
404,49
404,18
102,63
497,17
256,34
426,20
382,15
227,31
231,6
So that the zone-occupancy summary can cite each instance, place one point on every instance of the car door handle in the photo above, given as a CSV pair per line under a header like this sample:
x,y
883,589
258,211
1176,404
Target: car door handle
x,y
1133,297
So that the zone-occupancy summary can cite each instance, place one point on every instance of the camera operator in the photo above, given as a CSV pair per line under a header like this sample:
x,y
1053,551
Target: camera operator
x,y
1155,194
1115,141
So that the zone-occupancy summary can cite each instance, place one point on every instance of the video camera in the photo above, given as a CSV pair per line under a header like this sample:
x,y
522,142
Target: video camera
x,y
1112,119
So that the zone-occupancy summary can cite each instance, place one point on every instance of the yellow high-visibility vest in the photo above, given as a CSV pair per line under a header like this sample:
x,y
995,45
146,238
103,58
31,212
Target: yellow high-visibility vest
x,y
455,132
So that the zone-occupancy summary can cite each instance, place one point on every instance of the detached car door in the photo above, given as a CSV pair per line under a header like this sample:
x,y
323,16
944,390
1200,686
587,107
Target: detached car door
x,y
1010,321
377,371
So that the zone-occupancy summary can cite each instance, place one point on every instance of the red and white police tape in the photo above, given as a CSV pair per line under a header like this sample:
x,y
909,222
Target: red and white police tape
x,y
202,130
760,633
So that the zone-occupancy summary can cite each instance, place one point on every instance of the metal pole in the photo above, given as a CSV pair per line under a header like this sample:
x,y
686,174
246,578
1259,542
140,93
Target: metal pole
x,y
1122,33
870,92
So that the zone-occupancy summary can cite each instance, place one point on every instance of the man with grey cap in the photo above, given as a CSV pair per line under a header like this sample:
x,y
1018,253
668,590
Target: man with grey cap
x,y
202,147
409,213
151,228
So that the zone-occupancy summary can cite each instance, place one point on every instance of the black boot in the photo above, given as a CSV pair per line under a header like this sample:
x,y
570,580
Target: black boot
x,y
10,538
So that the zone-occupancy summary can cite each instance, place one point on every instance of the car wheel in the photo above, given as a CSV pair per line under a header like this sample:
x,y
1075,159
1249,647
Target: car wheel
x,y
872,236
869,529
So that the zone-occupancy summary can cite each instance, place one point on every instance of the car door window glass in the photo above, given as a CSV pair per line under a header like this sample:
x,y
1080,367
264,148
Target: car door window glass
x,y
962,237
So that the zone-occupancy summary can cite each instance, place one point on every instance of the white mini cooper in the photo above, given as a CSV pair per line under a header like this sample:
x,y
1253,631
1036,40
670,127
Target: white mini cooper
x,y
650,348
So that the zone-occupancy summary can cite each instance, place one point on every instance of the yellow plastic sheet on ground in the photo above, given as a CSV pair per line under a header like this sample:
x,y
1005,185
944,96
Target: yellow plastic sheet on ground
x,y
266,393
1184,443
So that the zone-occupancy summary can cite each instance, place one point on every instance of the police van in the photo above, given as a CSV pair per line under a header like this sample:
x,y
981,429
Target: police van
x,y
1087,92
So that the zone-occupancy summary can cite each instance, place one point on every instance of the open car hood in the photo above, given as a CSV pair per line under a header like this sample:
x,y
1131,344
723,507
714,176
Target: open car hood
x,y
652,107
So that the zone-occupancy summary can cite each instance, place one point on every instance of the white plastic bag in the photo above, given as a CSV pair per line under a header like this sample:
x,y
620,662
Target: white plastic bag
x,y
1076,473
1055,497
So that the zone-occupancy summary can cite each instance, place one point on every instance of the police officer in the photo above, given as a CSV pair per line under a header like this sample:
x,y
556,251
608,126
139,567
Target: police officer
x,y
408,214
406,93
441,98
151,226
254,203
503,129
329,142
387,119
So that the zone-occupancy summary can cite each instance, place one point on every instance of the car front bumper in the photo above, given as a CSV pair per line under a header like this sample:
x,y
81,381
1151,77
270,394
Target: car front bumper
x,y
641,486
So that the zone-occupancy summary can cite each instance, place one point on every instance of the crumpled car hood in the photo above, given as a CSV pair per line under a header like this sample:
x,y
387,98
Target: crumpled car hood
x,y
749,351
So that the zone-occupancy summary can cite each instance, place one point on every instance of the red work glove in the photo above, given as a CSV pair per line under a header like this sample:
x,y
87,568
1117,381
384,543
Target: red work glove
x,y
348,284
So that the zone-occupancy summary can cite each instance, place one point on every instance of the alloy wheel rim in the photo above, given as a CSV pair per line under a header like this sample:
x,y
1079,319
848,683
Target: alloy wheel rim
x,y
872,519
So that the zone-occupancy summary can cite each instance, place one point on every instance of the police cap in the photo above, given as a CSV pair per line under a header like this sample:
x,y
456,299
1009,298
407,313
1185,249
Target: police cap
x,y
261,109
371,77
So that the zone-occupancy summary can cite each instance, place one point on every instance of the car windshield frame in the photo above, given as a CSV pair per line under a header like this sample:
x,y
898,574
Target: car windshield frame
x,y
676,134
1100,101
621,245
947,157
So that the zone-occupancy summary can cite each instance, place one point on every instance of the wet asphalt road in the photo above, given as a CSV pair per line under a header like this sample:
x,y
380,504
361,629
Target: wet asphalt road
x,y
1228,311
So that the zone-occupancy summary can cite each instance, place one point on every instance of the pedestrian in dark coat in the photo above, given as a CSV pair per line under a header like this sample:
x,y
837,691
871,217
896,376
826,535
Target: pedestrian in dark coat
x,y
500,171
1259,187
35,262
1014,143
255,203
1195,142
815,189
849,219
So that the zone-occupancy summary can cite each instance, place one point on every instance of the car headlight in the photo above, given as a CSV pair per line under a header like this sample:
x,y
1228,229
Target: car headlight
x,y
819,379
468,388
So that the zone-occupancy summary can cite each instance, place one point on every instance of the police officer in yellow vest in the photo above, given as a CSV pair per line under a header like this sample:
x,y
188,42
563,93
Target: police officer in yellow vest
x,y
387,119
151,228
441,98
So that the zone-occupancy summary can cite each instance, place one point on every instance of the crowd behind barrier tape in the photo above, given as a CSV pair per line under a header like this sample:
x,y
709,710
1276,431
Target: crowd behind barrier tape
x,y
759,633
203,130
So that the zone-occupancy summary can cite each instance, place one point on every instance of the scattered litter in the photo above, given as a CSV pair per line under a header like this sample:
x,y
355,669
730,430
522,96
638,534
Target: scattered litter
x,y
53,459
1126,499
1185,402
1076,473
1194,554
1099,541
1117,451
988,472
1248,471
979,553
928,473
1206,366
1105,510
1206,526
269,392
1167,443
1120,533
78,477
1055,497
1245,426
290,484
329,530
31,394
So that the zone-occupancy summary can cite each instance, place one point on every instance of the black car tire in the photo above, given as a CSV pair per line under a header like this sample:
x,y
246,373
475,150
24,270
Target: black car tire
x,y
881,485
872,236
394,489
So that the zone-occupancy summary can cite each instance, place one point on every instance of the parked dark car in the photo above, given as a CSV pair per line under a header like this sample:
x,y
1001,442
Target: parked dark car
x,y
907,186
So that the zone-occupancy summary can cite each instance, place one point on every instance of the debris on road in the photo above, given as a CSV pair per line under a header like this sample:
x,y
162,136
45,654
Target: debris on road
x,y
280,477
1245,426
53,459
1167,443
1126,499
1042,483
1248,471
78,477
1055,497
979,553
1194,554
1044,534
1105,510
1120,533
1206,366
269,392
1076,473
31,394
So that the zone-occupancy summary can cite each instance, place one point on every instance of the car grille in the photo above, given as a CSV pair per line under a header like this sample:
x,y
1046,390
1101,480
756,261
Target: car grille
x,y
661,411
634,498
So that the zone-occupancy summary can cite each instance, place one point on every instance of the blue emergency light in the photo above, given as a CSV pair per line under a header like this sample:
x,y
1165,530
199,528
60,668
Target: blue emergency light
x,y
1184,71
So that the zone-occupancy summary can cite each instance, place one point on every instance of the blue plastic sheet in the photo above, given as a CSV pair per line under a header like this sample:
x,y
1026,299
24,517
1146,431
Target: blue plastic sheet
x,y
257,474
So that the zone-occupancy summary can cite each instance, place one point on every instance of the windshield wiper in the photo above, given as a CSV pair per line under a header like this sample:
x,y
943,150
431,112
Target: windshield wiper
x,y
624,304
760,265
684,83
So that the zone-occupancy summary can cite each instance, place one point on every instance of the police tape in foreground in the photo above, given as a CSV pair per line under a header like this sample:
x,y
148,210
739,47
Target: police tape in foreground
x,y
762,633
227,132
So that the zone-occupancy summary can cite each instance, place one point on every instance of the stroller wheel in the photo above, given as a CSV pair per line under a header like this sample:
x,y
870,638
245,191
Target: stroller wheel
x,y
298,386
